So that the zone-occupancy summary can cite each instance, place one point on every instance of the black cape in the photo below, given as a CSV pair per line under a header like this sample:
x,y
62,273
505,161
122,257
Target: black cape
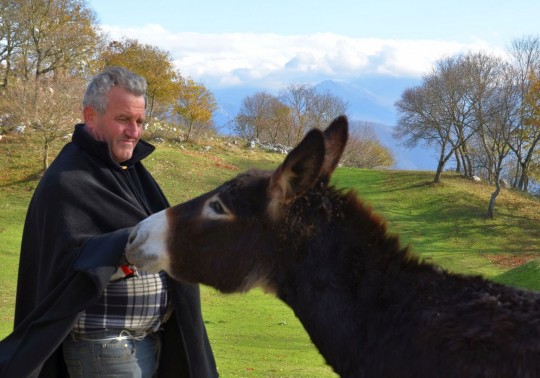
x,y
74,236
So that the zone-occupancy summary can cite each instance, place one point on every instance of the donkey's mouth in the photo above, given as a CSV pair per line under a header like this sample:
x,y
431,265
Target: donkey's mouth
x,y
136,253
146,247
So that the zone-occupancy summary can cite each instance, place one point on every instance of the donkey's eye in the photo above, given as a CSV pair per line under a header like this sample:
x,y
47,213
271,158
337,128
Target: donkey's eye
x,y
217,207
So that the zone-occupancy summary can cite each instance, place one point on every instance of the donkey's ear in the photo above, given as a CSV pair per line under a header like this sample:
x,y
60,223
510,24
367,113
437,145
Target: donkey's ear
x,y
335,140
300,170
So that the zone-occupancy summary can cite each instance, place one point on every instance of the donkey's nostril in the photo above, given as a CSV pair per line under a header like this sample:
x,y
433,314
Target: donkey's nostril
x,y
134,237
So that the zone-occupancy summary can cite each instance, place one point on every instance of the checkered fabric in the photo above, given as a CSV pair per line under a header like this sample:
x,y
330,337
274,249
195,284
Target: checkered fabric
x,y
137,304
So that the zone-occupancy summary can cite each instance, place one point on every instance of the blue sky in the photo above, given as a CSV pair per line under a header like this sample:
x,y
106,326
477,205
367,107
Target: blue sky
x,y
273,42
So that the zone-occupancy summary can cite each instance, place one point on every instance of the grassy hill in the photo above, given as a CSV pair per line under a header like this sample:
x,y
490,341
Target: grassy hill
x,y
255,335
445,223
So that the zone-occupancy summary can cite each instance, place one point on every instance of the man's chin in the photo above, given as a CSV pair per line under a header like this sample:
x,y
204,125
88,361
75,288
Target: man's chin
x,y
122,156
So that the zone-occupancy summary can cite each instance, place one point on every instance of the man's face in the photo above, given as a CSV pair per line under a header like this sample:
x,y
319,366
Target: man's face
x,y
121,124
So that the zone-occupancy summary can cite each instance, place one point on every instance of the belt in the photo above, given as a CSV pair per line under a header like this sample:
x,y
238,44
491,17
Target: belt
x,y
109,336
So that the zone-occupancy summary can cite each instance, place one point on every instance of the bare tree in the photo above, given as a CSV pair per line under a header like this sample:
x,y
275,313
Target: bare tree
x,y
47,108
309,109
472,107
298,98
324,108
525,53
280,116
12,36
532,122
364,150
442,111
286,118
485,74
423,121
497,130
255,117
62,35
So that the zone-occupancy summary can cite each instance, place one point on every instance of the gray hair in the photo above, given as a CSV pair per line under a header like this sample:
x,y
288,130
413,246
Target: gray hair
x,y
97,92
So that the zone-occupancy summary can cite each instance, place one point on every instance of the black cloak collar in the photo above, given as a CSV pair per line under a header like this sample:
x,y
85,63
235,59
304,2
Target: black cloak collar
x,y
82,138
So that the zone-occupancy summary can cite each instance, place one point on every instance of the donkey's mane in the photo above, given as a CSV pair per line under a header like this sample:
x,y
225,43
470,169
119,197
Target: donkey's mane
x,y
325,212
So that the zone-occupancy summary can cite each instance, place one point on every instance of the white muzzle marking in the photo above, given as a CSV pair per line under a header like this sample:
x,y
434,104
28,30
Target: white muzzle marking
x,y
147,247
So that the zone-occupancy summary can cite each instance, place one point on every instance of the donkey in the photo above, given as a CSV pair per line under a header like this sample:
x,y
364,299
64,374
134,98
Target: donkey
x,y
371,307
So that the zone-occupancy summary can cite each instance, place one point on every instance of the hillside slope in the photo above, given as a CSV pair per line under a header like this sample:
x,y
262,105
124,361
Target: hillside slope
x,y
255,334
443,223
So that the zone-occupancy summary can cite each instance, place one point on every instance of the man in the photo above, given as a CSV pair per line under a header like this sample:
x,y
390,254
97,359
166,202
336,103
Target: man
x,y
78,309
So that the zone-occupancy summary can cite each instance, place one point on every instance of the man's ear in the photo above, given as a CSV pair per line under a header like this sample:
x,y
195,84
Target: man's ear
x,y
89,116
90,121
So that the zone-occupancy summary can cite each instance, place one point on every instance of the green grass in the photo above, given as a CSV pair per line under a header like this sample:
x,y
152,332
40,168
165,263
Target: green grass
x,y
254,334
11,209
445,222
525,275
18,178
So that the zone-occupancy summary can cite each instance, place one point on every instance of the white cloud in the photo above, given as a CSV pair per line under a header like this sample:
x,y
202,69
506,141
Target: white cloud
x,y
273,61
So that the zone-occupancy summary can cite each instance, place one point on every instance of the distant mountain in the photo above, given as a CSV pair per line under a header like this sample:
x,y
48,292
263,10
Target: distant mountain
x,y
229,101
369,100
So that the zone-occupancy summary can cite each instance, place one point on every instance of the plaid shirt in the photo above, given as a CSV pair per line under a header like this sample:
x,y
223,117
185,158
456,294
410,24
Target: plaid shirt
x,y
137,304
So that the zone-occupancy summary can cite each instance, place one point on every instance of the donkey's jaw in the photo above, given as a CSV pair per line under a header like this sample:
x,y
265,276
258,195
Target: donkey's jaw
x,y
147,244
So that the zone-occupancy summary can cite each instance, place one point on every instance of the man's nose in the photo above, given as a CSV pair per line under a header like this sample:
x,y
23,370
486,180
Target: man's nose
x,y
132,130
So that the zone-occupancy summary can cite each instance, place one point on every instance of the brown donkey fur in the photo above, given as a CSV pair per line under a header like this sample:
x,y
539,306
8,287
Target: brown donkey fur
x,y
370,306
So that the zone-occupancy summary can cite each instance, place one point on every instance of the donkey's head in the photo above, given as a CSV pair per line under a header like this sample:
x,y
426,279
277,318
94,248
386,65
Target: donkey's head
x,y
228,238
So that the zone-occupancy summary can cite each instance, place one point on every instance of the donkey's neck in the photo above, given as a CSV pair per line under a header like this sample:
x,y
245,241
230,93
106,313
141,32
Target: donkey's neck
x,y
344,270
325,315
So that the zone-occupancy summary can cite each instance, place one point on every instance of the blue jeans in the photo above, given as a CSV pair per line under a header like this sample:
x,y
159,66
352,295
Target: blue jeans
x,y
122,357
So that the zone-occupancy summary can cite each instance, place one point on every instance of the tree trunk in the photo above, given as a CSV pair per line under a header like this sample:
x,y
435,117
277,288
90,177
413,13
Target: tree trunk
x,y
524,179
515,183
458,163
190,129
467,164
442,162
440,167
150,110
491,206
464,162
45,156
